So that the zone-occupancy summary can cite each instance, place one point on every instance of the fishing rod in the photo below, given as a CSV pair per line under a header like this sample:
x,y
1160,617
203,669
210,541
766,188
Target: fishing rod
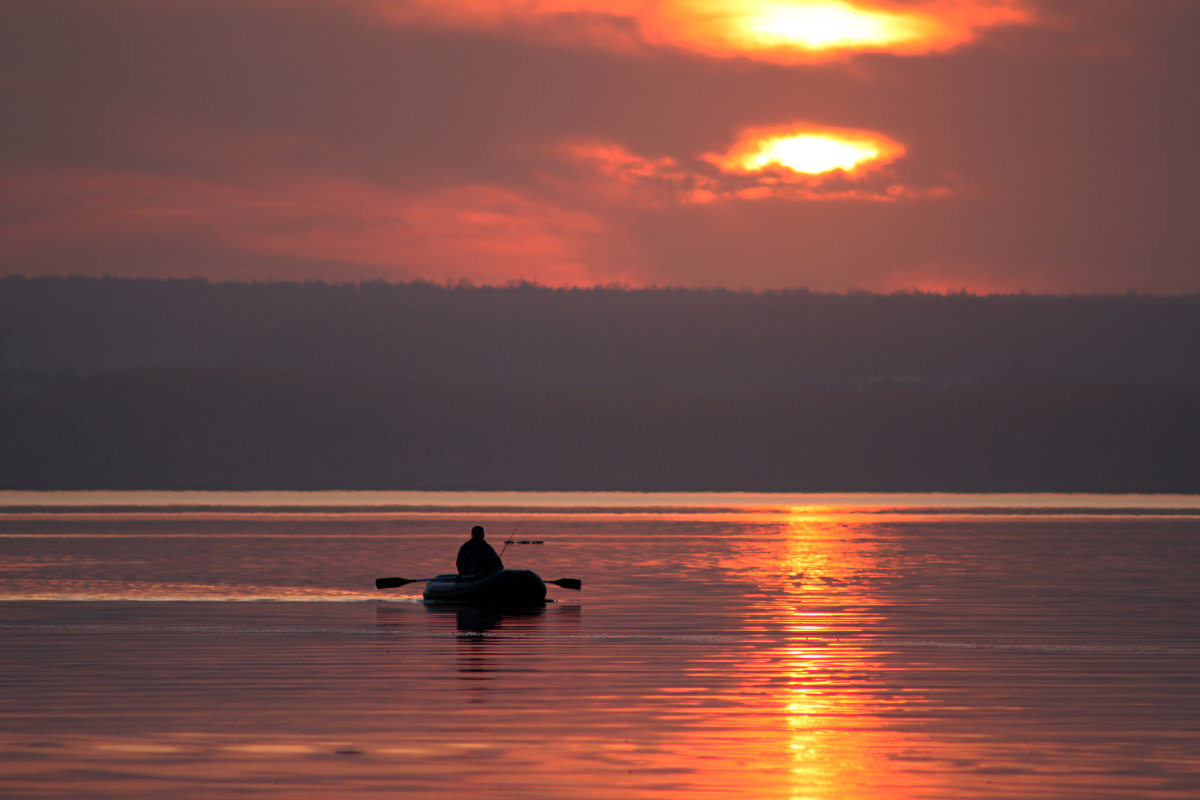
x,y
509,540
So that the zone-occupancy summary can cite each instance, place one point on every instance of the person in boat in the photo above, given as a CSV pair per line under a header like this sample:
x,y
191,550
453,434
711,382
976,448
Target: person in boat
x,y
476,557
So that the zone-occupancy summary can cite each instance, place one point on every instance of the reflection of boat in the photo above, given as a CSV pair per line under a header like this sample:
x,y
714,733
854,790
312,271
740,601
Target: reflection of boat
x,y
508,587
480,618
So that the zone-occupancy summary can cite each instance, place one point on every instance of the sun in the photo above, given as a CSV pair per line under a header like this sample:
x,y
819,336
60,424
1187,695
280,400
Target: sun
x,y
811,154
807,152
823,26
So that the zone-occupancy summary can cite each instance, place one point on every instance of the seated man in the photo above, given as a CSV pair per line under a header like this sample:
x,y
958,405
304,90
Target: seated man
x,y
476,557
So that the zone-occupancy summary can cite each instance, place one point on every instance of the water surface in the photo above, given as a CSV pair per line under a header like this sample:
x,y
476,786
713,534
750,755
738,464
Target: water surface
x,y
949,646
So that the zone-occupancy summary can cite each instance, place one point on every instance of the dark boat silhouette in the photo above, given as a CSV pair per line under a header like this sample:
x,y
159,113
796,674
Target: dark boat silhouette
x,y
508,587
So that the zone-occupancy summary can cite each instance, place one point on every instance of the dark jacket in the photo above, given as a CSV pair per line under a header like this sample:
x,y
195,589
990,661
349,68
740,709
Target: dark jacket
x,y
476,557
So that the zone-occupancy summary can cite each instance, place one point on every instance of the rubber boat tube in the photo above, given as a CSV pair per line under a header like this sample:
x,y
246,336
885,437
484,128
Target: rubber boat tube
x,y
515,587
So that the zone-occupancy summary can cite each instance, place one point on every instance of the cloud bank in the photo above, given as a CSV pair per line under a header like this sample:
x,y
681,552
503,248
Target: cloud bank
x,y
981,145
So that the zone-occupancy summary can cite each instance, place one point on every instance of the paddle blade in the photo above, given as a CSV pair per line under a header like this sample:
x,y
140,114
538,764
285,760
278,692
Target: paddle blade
x,y
391,583
568,583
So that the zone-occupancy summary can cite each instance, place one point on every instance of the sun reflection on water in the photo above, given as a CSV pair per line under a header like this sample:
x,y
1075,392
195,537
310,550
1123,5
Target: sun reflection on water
x,y
823,700
805,721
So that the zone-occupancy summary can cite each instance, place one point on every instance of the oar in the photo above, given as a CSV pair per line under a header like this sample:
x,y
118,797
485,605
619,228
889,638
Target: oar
x,y
392,583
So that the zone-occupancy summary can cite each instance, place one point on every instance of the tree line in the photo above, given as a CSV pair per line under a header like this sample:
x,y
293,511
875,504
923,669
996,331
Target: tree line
x,y
111,383
648,339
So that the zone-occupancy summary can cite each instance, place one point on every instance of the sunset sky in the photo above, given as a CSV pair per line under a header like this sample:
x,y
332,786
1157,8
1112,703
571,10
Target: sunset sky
x,y
987,145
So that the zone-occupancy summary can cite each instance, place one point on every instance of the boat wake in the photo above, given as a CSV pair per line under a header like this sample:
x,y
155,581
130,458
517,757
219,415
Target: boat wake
x,y
150,596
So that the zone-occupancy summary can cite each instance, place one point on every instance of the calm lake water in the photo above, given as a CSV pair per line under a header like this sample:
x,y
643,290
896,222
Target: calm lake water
x,y
198,645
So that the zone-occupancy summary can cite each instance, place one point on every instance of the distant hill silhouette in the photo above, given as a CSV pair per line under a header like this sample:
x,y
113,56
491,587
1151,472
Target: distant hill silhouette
x,y
111,383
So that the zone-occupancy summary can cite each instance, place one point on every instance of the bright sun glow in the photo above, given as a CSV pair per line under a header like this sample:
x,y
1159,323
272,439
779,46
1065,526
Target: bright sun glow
x,y
812,154
824,25
809,152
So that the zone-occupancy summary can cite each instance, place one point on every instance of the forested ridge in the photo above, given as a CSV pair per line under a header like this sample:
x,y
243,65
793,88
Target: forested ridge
x,y
113,383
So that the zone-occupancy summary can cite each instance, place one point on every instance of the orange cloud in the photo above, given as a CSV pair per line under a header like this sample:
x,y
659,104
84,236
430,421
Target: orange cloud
x,y
618,176
788,162
486,233
782,31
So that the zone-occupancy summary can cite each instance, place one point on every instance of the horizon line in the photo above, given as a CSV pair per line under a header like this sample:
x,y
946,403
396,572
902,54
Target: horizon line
x,y
466,284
